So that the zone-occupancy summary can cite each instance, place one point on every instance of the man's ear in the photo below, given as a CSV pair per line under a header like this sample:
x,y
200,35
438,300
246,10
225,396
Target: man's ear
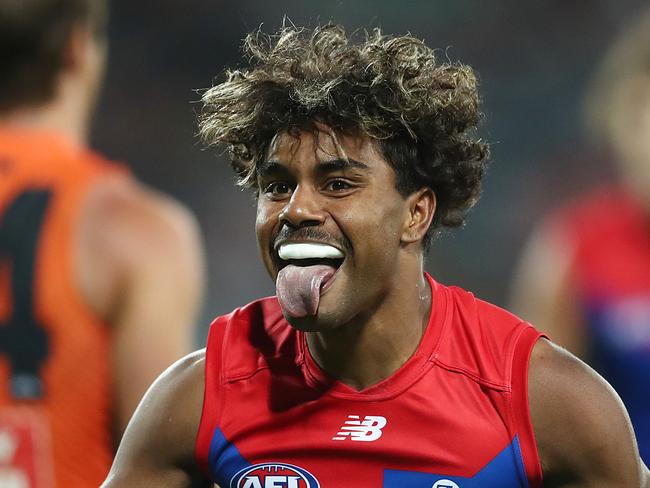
x,y
76,47
421,209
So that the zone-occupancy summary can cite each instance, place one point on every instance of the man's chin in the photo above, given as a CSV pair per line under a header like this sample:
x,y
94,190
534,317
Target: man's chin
x,y
319,322
308,323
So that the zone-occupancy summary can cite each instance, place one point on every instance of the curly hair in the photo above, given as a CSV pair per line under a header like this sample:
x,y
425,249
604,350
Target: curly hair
x,y
421,112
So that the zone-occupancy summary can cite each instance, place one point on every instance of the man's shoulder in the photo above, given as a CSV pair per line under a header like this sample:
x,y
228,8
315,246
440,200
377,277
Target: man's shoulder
x,y
254,334
472,315
163,428
178,389
484,339
263,314
557,377
565,393
187,370
128,233
138,216
178,392
584,220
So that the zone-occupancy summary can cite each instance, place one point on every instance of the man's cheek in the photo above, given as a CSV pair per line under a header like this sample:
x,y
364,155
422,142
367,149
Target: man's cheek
x,y
265,219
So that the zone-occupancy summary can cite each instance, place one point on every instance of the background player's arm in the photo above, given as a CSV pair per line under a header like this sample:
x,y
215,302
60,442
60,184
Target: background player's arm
x,y
543,293
583,432
144,272
158,446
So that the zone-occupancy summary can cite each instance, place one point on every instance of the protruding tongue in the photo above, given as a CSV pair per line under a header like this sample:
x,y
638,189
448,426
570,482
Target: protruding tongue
x,y
298,288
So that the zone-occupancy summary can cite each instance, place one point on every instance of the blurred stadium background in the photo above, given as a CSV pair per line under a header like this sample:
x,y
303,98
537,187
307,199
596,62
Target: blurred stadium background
x,y
533,58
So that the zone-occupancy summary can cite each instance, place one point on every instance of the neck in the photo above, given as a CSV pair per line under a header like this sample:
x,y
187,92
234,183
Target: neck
x,y
374,346
65,114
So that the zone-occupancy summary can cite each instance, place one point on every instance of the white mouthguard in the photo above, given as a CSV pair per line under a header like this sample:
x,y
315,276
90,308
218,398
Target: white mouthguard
x,y
309,251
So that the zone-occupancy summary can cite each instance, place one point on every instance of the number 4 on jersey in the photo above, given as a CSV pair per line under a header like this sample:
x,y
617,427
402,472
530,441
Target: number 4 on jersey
x,y
23,341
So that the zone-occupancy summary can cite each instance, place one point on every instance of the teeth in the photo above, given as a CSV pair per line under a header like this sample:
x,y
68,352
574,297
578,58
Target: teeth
x,y
309,251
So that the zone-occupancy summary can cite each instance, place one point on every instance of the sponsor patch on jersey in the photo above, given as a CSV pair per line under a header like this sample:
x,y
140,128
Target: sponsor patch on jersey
x,y
274,475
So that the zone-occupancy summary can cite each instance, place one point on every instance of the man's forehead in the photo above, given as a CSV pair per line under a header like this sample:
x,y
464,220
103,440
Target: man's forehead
x,y
321,143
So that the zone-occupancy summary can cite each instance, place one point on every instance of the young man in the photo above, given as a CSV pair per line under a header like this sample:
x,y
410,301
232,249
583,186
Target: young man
x,y
364,371
585,276
100,278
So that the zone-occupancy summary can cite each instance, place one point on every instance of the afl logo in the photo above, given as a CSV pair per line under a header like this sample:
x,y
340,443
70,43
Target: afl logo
x,y
445,484
274,475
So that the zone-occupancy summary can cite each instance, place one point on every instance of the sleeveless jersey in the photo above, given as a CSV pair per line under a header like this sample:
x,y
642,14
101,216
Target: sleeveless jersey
x,y
609,234
54,352
454,415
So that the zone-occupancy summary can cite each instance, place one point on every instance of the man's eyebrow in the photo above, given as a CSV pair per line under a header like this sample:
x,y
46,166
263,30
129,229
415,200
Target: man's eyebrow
x,y
270,167
341,164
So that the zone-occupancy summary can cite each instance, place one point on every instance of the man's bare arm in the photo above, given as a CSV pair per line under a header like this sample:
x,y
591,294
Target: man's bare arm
x,y
583,432
143,272
157,449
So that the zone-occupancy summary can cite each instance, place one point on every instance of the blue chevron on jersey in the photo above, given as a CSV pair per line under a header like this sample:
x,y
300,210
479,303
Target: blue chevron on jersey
x,y
505,470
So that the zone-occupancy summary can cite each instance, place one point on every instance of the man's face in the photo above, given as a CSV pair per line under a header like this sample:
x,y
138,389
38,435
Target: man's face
x,y
339,192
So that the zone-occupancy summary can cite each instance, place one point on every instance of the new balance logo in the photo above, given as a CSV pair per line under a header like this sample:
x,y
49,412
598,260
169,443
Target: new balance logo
x,y
366,430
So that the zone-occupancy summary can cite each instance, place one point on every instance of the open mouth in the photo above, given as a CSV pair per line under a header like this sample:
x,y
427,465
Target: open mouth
x,y
305,254
306,272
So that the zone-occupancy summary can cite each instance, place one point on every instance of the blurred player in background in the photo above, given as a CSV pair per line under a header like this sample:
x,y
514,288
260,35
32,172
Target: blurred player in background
x,y
585,276
100,277
364,371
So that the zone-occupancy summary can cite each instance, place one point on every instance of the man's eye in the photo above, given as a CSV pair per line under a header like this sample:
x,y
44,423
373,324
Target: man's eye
x,y
338,185
277,188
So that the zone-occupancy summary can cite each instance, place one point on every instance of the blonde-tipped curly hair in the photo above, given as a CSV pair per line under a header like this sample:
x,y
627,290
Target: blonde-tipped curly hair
x,y
421,112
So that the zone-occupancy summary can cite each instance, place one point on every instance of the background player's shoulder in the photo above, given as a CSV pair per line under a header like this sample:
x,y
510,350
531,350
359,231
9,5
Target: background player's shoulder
x,y
601,210
139,216
130,234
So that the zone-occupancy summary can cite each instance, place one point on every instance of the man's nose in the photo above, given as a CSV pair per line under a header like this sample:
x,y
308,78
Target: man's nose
x,y
304,208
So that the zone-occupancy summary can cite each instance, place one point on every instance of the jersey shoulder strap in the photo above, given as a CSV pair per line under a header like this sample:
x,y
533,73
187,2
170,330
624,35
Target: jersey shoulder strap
x,y
238,345
521,422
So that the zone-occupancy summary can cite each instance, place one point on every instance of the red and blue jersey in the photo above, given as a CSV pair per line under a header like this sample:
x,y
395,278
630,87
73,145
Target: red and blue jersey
x,y
454,415
609,234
